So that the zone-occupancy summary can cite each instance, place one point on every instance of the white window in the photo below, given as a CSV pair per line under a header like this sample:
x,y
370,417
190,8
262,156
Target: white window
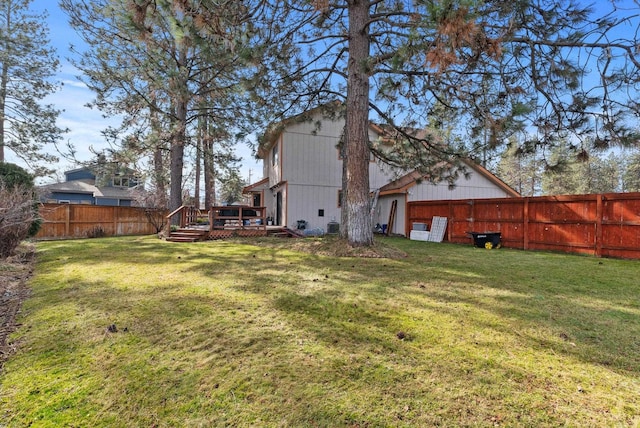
x,y
121,181
274,155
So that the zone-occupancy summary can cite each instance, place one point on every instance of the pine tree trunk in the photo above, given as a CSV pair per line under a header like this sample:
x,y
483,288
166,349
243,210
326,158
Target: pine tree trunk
x,y
159,170
344,217
199,147
179,137
209,167
4,80
177,163
358,228
177,159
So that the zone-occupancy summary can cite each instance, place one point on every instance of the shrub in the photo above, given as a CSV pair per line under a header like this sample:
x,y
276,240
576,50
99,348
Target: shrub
x,y
12,175
96,232
19,217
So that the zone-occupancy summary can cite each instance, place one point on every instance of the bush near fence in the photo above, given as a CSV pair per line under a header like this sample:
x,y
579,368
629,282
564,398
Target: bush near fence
x,y
82,221
602,225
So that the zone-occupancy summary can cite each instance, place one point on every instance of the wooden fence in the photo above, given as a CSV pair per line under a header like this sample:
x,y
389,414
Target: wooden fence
x,y
82,221
603,225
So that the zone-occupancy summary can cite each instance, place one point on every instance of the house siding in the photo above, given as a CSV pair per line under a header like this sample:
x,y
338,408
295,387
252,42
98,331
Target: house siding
x,y
309,175
312,166
476,187
312,158
383,210
309,199
79,174
75,198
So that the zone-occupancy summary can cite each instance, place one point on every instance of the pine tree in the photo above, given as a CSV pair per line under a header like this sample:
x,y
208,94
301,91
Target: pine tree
x,y
501,65
27,65
179,60
231,187
521,171
631,174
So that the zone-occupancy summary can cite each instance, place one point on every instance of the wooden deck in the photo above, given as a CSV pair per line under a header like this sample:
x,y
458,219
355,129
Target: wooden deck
x,y
223,222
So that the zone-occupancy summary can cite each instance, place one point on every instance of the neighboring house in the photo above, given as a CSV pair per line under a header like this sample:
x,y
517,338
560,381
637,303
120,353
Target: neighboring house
x,y
302,170
81,186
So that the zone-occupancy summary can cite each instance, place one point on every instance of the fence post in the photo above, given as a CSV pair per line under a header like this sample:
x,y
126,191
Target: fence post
x,y
599,213
525,224
67,220
115,221
451,221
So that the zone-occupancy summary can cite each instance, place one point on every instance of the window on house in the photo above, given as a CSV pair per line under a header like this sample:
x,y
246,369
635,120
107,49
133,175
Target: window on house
x,y
340,198
274,155
121,181
320,213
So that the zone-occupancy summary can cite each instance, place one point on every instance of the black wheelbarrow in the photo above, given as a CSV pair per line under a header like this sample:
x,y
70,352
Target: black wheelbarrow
x,y
486,240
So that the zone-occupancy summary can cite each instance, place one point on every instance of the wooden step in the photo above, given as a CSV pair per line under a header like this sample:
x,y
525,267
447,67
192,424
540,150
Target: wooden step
x,y
187,235
285,232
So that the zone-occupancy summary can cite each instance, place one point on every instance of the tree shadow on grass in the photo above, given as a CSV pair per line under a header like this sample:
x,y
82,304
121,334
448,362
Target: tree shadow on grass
x,y
328,324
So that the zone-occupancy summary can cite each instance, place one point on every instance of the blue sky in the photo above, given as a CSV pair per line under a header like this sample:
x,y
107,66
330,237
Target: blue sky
x,y
84,123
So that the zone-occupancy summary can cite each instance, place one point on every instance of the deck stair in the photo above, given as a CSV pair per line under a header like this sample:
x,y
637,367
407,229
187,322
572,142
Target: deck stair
x,y
188,235
284,232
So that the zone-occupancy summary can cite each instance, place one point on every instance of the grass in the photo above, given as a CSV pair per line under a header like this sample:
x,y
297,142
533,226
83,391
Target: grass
x,y
234,334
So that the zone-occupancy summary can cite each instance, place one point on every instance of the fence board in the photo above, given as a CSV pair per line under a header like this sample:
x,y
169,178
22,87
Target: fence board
x,y
80,221
605,225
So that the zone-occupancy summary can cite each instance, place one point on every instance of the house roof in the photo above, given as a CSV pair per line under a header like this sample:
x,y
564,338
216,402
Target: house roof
x,y
114,192
402,184
75,186
388,133
87,186
276,129
257,186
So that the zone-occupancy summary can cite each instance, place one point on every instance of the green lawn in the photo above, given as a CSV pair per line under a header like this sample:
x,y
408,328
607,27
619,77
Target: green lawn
x,y
232,334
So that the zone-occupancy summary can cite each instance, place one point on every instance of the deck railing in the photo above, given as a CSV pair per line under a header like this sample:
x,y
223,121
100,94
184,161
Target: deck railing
x,y
189,215
237,218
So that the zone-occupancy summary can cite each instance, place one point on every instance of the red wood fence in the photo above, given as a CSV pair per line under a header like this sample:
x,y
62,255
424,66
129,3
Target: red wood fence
x,y
603,225
82,221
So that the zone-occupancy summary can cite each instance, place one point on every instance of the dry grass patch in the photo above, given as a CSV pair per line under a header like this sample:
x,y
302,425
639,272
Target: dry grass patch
x,y
332,246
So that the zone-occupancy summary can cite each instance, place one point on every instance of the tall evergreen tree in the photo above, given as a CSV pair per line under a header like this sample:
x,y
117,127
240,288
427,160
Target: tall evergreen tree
x,y
503,64
631,174
27,66
521,171
566,175
181,60
231,186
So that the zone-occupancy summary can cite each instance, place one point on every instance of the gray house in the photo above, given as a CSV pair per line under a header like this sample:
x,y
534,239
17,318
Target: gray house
x,y
82,186
302,178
